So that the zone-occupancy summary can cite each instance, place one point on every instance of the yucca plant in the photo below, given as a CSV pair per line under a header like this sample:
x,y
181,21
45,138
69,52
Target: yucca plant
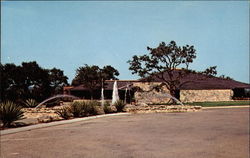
x,y
90,108
10,112
107,108
77,109
30,103
119,105
84,108
64,112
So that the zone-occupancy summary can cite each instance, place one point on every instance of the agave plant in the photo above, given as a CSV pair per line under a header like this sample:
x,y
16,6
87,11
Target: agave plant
x,y
64,112
10,112
84,108
107,108
119,105
76,109
30,103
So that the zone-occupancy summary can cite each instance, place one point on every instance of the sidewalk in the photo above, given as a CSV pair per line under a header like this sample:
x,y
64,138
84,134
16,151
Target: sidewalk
x,y
56,123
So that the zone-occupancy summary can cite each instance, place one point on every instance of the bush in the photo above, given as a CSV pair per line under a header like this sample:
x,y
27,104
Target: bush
x,y
30,103
76,109
10,112
119,105
82,109
64,112
107,108
90,108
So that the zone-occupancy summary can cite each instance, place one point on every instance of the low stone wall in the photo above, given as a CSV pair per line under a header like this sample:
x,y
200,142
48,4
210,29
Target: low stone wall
x,y
206,95
144,108
42,114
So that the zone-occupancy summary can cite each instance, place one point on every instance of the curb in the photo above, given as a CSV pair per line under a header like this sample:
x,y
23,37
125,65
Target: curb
x,y
56,123
226,107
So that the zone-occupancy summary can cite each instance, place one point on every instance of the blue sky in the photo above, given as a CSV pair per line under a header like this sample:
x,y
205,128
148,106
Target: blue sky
x,y
67,34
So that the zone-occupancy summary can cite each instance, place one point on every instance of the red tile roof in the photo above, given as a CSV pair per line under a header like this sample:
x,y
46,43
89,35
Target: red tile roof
x,y
195,81
200,81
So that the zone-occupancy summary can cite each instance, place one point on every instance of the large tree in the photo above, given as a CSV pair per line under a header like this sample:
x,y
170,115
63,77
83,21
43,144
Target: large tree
x,y
94,77
57,80
162,63
29,80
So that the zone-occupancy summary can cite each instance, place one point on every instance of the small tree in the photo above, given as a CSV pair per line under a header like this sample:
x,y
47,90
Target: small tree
x,y
93,77
162,63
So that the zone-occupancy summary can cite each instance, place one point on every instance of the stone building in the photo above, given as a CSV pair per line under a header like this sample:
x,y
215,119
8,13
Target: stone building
x,y
194,88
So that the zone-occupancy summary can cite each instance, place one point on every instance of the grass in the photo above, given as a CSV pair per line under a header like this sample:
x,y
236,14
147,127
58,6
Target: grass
x,y
221,103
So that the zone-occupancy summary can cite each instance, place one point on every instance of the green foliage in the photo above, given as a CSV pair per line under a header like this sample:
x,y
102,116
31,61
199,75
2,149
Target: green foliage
x,y
30,103
10,112
162,63
107,108
220,103
84,108
57,80
29,80
211,71
76,109
93,77
64,112
119,105
90,108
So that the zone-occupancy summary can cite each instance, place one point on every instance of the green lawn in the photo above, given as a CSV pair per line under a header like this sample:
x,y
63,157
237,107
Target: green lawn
x,y
222,103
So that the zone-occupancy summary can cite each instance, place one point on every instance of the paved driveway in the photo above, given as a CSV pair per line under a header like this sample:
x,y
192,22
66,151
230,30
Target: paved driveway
x,y
215,133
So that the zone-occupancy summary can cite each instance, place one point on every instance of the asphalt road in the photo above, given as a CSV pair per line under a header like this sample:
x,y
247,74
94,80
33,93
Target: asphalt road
x,y
214,133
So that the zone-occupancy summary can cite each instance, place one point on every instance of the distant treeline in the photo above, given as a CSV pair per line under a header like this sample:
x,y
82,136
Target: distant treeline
x,y
30,81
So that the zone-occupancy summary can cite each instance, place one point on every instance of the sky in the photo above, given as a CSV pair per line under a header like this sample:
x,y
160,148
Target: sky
x,y
69,34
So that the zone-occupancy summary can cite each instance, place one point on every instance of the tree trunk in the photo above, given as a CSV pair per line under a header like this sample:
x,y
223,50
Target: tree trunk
x,y
172,91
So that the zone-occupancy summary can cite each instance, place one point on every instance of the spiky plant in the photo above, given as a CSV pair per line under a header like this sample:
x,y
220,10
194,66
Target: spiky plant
x,y
30,103
107,108
90,108
84,108
64,112
10,112
76,109
119,105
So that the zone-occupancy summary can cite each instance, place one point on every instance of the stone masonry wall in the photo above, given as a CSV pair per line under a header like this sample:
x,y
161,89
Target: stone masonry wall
x,y
154,97
150,97
206,95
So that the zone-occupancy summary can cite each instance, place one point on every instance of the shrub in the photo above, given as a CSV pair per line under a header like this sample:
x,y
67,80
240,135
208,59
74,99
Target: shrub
x,y
76,109
107,108
30,103
119,105
10,112
64,112
83,108
90,108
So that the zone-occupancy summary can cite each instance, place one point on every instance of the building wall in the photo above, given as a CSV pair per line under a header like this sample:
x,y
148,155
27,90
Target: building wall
x,y
154,97
206,95
150,97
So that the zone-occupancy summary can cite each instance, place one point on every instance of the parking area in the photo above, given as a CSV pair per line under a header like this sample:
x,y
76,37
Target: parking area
x,y
211,133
